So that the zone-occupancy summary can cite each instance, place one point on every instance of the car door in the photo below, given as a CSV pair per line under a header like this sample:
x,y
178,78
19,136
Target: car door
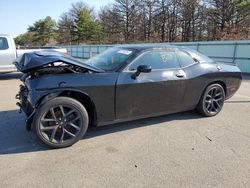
x,y
157,92
194,84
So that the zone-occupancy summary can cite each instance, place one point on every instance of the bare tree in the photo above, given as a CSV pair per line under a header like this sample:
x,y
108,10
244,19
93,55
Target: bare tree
x,y
65,28
111,23
127,11
175,20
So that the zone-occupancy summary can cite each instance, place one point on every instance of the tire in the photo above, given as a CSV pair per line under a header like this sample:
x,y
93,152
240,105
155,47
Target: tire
x,y
61,122
211,101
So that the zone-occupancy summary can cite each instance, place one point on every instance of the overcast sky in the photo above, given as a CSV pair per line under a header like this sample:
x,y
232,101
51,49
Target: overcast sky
x,y
17,15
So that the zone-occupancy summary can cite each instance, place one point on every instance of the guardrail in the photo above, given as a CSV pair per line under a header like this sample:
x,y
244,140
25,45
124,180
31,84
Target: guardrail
x,y
236,52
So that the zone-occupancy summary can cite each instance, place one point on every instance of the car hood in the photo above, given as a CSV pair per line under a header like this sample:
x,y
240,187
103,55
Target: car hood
x,y
33,61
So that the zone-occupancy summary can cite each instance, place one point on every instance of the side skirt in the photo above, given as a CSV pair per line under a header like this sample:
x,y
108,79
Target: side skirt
x,y
143,117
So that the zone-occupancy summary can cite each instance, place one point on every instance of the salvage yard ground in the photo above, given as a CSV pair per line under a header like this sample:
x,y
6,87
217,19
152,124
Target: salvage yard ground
x,y
179,150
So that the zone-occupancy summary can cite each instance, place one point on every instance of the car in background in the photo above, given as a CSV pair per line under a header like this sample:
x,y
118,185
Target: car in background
x,y
8,52
62,97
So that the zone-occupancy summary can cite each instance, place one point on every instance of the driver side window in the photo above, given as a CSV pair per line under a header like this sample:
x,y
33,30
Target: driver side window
x,y
157,60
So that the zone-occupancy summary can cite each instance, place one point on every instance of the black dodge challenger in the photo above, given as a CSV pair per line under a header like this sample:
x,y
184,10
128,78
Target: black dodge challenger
x,y
62,96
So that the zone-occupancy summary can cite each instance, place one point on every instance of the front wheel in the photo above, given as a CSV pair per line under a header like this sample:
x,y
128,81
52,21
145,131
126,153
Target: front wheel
x,y
61,122
212,100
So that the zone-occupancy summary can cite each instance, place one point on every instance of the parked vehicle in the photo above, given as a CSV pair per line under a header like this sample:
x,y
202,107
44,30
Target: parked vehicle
x,y
62,96
8,52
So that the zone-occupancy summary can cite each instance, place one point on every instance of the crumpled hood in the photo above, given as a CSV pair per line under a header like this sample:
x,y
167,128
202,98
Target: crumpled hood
x,y
29,62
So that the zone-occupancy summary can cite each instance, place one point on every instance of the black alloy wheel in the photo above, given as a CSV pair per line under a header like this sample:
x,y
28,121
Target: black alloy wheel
x,y
212,100
61,122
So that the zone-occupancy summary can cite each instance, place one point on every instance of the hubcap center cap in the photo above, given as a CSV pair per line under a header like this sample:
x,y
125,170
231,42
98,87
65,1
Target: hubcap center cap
x,y
62,123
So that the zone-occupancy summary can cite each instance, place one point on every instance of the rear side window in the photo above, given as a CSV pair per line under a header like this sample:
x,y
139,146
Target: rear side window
x,y
3,43
185,59
157,60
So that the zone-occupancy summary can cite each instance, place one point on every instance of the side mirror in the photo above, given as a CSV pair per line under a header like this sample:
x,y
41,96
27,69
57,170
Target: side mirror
x,y
140,69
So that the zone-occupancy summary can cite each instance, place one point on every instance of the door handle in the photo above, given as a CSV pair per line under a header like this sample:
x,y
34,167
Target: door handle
x,y
179,74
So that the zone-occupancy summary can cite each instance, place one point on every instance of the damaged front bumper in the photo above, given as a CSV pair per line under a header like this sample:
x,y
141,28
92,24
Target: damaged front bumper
x,y
25,105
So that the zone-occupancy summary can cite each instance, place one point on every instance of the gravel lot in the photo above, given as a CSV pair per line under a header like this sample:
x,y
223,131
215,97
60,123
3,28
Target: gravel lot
x,y
180,150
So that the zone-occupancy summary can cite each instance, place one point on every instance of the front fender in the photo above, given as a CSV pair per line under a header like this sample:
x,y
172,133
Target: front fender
x,y
40,99
51,94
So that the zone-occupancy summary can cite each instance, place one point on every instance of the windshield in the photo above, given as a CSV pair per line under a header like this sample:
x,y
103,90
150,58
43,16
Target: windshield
x,y
111,58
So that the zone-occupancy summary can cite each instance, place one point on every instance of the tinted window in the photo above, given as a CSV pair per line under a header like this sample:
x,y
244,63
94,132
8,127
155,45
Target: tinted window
x,y
3,43
185,59
157,60
200,57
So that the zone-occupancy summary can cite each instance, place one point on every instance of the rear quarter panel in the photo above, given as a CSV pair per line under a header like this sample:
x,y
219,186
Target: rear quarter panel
x,y
232,78
201,75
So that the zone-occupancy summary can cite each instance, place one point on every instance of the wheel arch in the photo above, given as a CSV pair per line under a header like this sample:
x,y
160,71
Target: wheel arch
x,y
80,96
220,82
86,101
201,104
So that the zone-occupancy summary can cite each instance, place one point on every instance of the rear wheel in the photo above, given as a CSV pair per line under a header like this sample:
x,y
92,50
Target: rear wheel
x,y
212,100
61,122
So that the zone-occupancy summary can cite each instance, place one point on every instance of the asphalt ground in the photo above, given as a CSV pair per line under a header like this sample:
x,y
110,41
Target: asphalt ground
x,y
178,150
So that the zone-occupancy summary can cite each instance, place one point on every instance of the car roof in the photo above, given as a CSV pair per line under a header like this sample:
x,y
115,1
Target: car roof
x,y
146,46
4,35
